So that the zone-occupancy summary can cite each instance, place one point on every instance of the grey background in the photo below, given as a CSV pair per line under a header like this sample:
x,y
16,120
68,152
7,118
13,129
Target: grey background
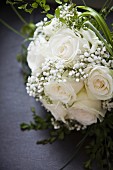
x,y
18,150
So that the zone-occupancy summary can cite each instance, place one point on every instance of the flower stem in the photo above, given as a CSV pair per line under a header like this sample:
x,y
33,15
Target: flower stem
x,y
78,146
17,13
84,2
106,4
11,28
99,19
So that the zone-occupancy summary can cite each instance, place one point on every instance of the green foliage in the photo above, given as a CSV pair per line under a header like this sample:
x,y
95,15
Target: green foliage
x,y
58,1
57,12
40,123
34,5
50,16
100,138
28,29
29,6
100,147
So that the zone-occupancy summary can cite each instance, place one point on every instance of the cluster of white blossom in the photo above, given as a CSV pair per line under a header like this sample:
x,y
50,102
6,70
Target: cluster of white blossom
x,y
66,11
51,70
71,72
69,124
107,104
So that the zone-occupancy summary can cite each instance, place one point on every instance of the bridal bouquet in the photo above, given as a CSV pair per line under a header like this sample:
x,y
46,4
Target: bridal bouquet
x,y
71,69
71,60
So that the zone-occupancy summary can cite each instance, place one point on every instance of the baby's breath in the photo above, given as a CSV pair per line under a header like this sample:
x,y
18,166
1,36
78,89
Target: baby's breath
x,y
69,124
107,104
52,70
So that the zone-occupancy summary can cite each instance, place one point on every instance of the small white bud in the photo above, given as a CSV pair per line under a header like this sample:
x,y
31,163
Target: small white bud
x,y
77,80
86,54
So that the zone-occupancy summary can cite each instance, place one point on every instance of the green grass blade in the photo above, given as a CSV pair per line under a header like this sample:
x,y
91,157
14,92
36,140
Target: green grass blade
x,y
89,25
101,22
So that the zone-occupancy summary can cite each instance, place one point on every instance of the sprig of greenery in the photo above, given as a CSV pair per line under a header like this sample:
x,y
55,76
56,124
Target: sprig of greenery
x,y
40,123
29,6
100,148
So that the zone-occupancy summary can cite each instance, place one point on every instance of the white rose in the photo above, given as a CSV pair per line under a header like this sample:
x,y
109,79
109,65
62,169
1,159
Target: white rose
x,y
91,37
64,92
65,44
100,83
85,110
57,110
35,56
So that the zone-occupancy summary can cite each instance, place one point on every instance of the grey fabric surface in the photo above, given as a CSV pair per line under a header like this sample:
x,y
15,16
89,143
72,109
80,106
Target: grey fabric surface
x,y
18,150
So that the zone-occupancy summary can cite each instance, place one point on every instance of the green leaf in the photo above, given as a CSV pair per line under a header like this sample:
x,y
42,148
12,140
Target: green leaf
x,y
47,23
58,1
23,6
24,126
28,29
33,110
62,20
34,5
29,10
88,165
57,12
52,139
46,141
50,16
46,8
